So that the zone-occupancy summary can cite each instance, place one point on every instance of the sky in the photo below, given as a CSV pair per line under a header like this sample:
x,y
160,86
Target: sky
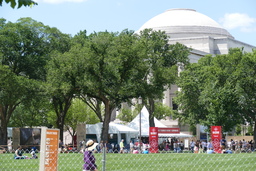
x,y
72,16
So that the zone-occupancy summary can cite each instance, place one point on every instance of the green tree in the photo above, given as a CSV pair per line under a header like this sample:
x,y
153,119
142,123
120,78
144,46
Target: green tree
x,y
127,115
250,130
246,90
162,111
62,86
161,60
31,114
14,90
94,104
238,130
21,3
218,90
79,112
123,66
112,69
25,48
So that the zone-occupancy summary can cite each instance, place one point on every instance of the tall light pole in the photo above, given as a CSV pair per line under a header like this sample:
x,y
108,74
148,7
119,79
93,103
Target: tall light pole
x,y
140,102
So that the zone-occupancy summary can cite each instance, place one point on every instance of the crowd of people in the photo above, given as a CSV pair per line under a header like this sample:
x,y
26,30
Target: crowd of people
x,y
241,145
120,147
172,145
175,145
231,146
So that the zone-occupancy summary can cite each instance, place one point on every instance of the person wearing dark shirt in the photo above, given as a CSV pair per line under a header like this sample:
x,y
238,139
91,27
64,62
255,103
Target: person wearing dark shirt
x,y
223,143
18,154
89,159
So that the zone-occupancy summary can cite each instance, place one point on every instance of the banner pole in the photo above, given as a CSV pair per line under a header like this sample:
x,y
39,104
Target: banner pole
x,y
42,148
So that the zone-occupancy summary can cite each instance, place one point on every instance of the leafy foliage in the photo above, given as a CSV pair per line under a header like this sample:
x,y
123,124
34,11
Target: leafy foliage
x,y
161,61
21,3
219,90
79,112
127,115
25,48
14,90
162,111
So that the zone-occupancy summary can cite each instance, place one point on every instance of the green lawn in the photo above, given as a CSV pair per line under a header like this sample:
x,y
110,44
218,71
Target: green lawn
x,y
141,162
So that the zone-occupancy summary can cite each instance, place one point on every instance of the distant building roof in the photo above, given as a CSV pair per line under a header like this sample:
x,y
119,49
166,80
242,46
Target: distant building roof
x,y
185,22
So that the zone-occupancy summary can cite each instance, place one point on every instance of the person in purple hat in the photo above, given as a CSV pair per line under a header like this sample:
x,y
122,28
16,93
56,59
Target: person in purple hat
x,y
89,159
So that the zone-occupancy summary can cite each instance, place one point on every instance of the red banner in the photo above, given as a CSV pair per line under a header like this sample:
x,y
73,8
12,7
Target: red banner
x,y
153,139
168,130
216,137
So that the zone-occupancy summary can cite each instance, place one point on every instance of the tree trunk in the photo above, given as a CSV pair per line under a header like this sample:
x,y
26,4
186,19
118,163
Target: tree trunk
x,y
151,110
61,109
254,134
98,110
106,121
60,125
5,113
3,132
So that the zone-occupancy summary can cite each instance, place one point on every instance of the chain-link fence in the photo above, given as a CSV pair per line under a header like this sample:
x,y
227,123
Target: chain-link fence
x,y
137,160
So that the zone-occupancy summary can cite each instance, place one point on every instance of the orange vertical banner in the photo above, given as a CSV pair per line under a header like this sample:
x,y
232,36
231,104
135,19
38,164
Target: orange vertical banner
x,y
51,150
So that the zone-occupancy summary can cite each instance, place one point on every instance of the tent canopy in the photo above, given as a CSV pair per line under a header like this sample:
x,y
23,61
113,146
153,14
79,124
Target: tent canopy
x,y
114,128
135,124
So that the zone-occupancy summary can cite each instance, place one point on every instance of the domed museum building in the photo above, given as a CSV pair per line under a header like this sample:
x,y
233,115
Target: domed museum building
x,y
198,32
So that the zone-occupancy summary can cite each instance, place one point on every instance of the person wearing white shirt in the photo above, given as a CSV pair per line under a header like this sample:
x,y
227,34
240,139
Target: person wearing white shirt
x,y
192,145
131,146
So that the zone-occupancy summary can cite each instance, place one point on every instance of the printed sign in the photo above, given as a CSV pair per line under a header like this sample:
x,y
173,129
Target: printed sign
x,y
49,150
153,139
168,130
216,137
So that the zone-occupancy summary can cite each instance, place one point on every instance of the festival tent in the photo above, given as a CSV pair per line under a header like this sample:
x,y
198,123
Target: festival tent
x,y
114,128
135,124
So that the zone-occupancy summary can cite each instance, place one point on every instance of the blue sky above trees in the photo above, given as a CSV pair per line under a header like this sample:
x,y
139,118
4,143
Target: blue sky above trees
x,y
71,16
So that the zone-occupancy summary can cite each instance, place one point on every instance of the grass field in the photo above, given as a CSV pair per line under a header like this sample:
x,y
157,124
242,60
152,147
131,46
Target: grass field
x,y
142,162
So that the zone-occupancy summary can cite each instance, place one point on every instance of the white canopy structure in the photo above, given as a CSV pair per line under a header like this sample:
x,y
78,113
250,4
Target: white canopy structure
x,y
114,128
135,124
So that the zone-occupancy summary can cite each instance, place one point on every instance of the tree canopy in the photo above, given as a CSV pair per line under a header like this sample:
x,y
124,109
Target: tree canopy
x,y
25,48
219,90
116,67
111,70
13,3
161,61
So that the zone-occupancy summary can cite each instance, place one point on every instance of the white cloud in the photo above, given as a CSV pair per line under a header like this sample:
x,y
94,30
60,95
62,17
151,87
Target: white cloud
x,y
59,1
237,20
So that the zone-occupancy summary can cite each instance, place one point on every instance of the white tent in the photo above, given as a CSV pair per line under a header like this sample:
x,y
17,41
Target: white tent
x,y
114,128
135,124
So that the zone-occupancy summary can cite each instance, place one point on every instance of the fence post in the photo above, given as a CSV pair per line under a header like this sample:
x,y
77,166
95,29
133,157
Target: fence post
x,y
104,157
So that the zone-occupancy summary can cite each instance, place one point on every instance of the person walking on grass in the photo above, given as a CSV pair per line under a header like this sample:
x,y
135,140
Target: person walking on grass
x,y
121,144
89,159
131,146
192,146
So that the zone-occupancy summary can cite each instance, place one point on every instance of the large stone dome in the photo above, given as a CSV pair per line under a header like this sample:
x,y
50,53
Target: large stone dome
x,y
179,23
